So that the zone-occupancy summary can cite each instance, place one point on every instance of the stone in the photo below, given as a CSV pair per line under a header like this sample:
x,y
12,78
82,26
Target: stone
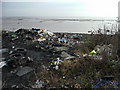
x,y
66,55
61,48
23,70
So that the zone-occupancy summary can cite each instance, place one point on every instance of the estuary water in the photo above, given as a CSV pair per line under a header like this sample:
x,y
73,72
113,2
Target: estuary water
x,y
73,25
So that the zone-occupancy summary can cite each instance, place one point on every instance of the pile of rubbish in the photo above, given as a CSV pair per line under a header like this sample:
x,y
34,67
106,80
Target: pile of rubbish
x,y
56,64
28,52
17,57
99,51
23,49
22,40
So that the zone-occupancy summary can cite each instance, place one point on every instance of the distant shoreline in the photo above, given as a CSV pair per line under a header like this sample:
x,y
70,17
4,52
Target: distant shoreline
x,y
64,19
53,32
79,20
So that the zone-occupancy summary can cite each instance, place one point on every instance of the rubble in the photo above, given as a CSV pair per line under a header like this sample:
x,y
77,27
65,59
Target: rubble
x,y
58,61
63,60
40,40
93,52
3,63
107,81
98,51
38,84
48,32
14,86
61,48
55,64
98,57
62,40
19,50
104,48
17,59
23,70
66,56
3,51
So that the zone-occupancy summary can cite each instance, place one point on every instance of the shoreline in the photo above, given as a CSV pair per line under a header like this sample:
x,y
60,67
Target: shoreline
x,y
64,32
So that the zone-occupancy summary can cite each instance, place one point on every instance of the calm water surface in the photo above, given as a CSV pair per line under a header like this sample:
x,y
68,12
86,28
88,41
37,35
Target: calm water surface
x,y
83,26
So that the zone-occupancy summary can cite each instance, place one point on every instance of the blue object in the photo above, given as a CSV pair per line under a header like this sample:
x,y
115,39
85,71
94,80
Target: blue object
x,y
34,30
99,83
117,84
104,81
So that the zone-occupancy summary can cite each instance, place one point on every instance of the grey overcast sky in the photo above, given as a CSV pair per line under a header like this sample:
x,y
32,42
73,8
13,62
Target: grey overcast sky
x,y
60,8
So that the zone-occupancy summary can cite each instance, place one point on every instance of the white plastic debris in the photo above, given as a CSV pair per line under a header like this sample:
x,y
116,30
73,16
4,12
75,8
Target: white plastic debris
x,y
38,84
40,40
56,67
63,76
93,52
10,52
3,63
58,62
84,55
48,32
13,46
90,55
14,86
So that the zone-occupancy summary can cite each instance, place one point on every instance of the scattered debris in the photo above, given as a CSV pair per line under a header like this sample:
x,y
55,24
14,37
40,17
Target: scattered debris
x,y
79,63
62,40
61,48
66,56
3,63
56,67
38,84
24,70
3,51
58,62
55,64
40,40
104,48
14,86
20,50
93,52
107,81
